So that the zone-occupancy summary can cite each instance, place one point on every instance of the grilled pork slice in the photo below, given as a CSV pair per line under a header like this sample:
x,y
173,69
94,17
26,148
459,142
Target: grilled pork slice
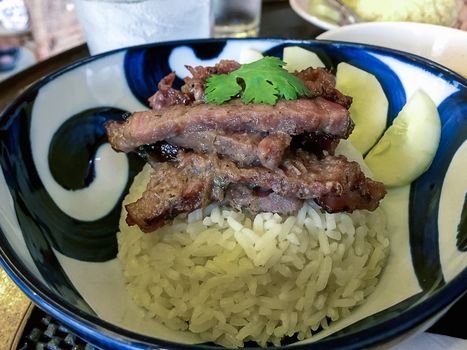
x,y
289,117
256,200
315,142
198,179
319,81
193,89
169,192
167,96
243,148
196,84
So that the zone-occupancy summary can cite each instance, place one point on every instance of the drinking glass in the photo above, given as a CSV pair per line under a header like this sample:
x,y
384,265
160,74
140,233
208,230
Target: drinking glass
x,y
111,24
236,18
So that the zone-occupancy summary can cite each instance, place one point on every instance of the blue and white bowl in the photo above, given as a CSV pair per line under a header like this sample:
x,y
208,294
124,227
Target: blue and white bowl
x,y
61,188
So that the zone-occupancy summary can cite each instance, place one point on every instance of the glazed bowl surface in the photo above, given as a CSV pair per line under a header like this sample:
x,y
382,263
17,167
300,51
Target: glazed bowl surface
x,y
61,188
443,45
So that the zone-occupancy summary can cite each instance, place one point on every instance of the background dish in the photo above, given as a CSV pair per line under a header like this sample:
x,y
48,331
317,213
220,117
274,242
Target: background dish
x,y
301,8
396,12
446,46
39,229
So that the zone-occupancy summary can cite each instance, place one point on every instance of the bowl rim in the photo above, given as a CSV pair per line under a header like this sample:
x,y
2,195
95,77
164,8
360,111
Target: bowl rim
x,y
403,24
94,329
299,9
431,32
400,25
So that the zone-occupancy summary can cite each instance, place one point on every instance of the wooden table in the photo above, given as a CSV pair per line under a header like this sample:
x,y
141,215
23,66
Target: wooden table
x,y
278,20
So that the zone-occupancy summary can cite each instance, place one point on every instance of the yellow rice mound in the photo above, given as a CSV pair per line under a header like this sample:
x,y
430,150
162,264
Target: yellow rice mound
x,y
233,278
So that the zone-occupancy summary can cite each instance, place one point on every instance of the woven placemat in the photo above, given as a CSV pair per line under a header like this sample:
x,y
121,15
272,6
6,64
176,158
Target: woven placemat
x,y
42,332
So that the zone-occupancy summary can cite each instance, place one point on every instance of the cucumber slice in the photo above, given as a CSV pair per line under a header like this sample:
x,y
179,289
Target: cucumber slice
x,y
409,145
248,55
298,59
369,107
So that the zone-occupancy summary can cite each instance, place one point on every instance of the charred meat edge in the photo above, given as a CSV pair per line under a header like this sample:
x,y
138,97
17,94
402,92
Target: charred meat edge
x,y
196,180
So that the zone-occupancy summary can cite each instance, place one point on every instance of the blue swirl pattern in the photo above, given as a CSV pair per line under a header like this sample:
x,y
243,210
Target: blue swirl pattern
x,y
46,227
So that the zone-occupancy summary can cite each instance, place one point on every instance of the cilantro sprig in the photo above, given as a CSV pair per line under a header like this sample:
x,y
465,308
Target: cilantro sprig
x,y
262,81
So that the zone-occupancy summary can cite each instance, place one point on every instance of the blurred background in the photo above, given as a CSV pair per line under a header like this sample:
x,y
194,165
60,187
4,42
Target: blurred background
x,y
47,27
34,30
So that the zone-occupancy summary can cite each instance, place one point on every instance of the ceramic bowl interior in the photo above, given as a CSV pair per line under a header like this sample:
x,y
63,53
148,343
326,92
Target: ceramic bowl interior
x,y
443,45
61,188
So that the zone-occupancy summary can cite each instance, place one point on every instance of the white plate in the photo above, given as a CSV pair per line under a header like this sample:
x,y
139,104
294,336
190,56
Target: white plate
x,y
444,45
301,8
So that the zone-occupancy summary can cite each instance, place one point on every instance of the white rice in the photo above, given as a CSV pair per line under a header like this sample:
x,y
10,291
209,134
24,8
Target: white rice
x,y
232,278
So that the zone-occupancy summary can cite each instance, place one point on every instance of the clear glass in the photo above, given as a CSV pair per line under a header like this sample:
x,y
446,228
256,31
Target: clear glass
x,y
111,24
236,18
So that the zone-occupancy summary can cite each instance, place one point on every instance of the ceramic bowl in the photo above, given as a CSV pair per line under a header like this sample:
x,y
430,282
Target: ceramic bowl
x,y
301,8
61,188
444,45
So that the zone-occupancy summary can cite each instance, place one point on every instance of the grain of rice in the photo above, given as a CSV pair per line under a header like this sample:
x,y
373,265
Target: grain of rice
x,y
323,243
330,222
315,217
320,301
292,238
234,224
343,303
301,215
336,235
232,278
323,276
316,318
194,216
324,323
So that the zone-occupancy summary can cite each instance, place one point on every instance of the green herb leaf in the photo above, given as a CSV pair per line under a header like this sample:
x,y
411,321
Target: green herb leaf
x,y
262,81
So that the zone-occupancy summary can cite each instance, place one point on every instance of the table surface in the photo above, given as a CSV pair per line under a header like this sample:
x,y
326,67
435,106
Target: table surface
x,y
278,20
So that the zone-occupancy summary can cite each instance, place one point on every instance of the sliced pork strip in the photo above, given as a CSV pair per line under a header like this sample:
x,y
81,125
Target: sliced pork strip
x,y
193,88
290,117
302,175
322,83
164,199
271,149
204,72
240,147
198,179
159,152
167,96
315,142
244,148
196,84
358,198
257,201
169,192
319,81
